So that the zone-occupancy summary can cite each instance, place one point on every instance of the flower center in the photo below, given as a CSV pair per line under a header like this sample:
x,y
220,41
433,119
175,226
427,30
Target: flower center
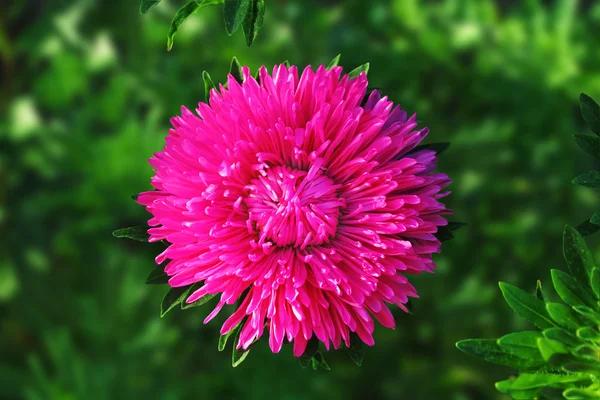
x,y
293,207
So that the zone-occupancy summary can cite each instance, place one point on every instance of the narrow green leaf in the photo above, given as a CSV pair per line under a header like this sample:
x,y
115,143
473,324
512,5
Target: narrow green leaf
x,y
531,381
595,282
355,351
235,69
208,84
223,338
145,5
550,347
173,298
489,350
334,62
561,335
522,344
234,12
588,333
200,302
589,179
319,361
180,16
563,316
577,255
287,64
254,20
139,233
527,306
589,313
439,148
570,290
589,144
311,349
356,71
507,387
586,368
238,355
590,112
157,276
539,292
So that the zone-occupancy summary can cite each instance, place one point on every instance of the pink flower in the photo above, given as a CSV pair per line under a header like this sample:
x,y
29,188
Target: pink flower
x,y
300,200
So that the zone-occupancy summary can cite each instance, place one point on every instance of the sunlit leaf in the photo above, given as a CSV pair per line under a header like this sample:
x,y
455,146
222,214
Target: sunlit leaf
x,y
561,335
563,316
570,290
550,347
334,62
589,313
577,255
588,333
527,306
357,71
522,344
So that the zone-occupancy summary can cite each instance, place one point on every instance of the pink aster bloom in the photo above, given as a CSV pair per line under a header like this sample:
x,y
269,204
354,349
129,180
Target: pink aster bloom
x,y
300,202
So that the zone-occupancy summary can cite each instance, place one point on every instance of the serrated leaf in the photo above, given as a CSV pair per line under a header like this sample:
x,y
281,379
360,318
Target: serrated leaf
x,y
539,292
145,5
173,298
570,290
522,344
234,13
311,349
254,20
589,313
319,361
590,112
355,351
139,233
595,282
589,144
235,69
157,276
439,147
356,71
489,350
238,355
588,333
561,335
589,179
334,62
527,306
563,316
200,302
550,347
208,84
577,255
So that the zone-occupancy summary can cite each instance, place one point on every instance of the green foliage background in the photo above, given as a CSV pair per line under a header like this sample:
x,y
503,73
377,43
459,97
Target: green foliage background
x,y
86,92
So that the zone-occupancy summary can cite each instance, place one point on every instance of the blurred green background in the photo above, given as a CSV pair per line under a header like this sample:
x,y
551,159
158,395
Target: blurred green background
x,y
87,89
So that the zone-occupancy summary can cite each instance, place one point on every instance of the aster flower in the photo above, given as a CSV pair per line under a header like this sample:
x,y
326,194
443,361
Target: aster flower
x,y
299,199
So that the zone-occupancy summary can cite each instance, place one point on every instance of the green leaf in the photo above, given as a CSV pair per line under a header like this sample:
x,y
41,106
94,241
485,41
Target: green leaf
x,y
506,387
586,228
139,233
595,219
550,347
180,16
145,5
522,344
489,350
589,179
439,148
532,381
355,351
527,306
157,276
581,394
577,255
589,313
445,232
319,361
238,355
235,69
223,338
173,298
595,282
563,316
334,62
551,393
587,333
561,335
583,367
539,292
208,84
311,349
235,12
589,144
570,290
200,302
254,20
588,352
590,112
356,71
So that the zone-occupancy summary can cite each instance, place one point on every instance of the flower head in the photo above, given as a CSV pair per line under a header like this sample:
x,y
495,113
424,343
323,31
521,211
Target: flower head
x,y
302,201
